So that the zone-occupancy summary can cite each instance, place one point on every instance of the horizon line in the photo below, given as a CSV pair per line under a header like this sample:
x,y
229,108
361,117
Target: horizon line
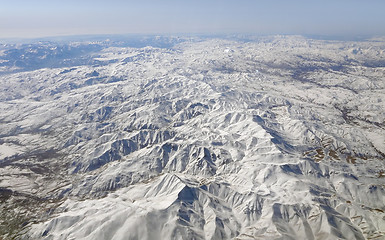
x,y
68,37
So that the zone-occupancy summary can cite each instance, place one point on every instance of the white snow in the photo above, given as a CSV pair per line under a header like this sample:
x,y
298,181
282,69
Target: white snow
x,y
7,150
212,139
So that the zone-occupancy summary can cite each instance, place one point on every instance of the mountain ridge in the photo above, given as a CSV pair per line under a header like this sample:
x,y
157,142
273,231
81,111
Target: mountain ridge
x,y
210,139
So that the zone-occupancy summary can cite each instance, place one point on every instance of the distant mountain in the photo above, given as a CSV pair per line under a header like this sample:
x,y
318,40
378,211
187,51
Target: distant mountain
x,y
277,137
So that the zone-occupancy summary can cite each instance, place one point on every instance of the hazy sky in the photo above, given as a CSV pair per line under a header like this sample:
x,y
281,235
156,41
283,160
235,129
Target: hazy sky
x,y
37,18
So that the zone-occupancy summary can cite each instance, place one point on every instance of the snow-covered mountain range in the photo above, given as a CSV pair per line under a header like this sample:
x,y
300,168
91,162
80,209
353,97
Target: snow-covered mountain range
x,y
278,137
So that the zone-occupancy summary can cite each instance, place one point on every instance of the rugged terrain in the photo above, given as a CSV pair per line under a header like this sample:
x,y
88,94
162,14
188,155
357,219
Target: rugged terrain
x,y
193,138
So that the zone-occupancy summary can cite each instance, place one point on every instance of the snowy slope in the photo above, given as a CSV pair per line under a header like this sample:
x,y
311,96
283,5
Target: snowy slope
x,y
279,138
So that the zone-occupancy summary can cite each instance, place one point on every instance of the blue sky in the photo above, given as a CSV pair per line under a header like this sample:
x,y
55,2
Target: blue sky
x,y
39,18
